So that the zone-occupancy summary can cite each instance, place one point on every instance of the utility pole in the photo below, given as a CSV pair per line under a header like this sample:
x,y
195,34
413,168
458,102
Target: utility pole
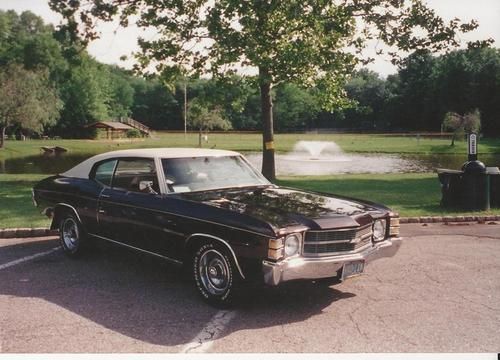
x,y
185,110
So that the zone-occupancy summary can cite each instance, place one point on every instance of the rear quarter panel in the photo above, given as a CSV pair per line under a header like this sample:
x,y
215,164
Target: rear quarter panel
x,y
81,194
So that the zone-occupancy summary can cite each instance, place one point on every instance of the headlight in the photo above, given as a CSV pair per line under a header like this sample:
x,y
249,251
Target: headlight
x,y
292,245
379,227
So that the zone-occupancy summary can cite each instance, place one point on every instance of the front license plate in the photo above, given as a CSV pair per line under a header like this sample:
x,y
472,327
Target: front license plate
x,y
352,269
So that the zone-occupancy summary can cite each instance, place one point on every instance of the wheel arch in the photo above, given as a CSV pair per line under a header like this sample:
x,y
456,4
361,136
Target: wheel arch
x,y
59,210
198,238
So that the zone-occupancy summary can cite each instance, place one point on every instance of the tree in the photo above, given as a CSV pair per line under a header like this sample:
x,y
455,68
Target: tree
x,y
236,96
417,93
120,93
369,93
295,107
468,80
26,100
459,124
427,87
310,42
85,93
25,38
204,117
154,105
82,84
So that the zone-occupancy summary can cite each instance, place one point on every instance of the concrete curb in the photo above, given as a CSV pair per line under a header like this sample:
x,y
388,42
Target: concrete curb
x,y
26,232
39,232
448,219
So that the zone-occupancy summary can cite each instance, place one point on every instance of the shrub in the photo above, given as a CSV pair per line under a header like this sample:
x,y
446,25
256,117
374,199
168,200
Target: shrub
x,y
133,133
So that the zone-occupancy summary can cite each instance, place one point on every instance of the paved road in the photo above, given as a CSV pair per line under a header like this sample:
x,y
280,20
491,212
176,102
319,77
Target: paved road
x,y
438,294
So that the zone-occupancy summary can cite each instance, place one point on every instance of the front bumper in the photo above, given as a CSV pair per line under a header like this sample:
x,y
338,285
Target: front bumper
x,y
324,267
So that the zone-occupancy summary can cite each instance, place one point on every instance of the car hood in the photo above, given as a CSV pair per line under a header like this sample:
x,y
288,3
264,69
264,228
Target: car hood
x,y
285,207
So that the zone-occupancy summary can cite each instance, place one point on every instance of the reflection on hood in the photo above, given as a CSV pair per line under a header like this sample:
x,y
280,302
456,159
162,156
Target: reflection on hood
x,y
284,207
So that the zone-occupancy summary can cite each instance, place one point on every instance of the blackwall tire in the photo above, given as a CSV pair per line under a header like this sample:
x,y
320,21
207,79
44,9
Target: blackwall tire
x,y
215,275
71,236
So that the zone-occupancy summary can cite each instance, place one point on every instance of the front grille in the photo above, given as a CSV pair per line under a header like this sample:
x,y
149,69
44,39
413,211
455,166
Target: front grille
x,y
315,236
322,243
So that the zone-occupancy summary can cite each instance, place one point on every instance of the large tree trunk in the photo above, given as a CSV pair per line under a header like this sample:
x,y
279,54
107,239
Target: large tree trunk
x,y
2,136
266,103
199,138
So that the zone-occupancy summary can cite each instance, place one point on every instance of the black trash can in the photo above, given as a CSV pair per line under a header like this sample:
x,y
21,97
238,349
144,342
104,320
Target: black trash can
x,y
475,186
494,175
451,187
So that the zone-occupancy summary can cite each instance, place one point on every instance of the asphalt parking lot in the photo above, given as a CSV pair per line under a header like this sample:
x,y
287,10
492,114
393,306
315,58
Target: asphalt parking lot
x,y
438,294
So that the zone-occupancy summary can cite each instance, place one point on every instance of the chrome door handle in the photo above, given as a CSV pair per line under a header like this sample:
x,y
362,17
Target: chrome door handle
x,y
104,196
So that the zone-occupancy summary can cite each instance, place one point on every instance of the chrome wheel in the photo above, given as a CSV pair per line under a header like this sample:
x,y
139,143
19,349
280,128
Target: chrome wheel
x,y
70,234
214,272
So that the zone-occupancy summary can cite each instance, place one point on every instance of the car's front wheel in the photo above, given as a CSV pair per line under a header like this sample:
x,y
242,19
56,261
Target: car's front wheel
x,y
215,274
71,235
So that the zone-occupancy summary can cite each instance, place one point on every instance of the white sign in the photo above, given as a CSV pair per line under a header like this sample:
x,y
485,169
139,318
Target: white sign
x,y
473,144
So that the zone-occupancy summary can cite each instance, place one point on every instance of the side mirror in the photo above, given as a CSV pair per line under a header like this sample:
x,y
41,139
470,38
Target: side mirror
x,y
147,185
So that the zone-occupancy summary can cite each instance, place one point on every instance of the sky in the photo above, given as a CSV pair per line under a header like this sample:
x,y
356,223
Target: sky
x,y
116,42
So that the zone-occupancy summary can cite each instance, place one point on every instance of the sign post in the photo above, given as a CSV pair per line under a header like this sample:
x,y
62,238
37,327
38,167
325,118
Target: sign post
x,y
472,146
476,180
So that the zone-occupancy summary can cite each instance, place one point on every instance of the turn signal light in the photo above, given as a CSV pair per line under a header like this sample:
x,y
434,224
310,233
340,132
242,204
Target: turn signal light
x,y
394,226
276,249
275,243
275,254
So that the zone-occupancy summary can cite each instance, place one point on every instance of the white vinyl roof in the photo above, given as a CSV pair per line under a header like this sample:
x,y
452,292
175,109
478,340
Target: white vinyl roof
x,y
82,170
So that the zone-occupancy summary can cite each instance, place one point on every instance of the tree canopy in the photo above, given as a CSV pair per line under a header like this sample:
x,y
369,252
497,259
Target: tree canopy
x,y
417,98
311,42
460,124
26,99
204,116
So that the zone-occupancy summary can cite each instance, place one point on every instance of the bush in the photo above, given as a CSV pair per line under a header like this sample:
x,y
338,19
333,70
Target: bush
x,y
89,133
133,133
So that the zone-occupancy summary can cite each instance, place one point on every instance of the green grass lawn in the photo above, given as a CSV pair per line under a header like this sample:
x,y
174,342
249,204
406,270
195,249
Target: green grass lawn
x,y
253,142
408,194
16,207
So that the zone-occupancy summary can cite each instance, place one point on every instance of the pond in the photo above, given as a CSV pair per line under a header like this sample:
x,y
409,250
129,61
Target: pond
x,y
326,158
42,164
307,158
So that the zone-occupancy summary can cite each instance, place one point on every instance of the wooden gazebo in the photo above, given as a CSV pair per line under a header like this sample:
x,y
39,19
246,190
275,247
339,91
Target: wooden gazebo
x,y
111,129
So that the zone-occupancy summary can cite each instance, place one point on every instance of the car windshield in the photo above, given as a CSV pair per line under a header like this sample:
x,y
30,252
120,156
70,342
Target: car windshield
x,y
209,173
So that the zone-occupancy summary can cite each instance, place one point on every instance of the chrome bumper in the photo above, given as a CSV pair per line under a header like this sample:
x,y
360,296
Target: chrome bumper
x,y
324,267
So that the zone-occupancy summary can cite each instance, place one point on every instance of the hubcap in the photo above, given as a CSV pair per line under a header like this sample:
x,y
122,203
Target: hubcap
x,y
214,272
70,234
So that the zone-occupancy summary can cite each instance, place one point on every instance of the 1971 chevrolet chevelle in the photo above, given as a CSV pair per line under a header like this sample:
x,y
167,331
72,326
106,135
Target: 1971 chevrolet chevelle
x,y
211,210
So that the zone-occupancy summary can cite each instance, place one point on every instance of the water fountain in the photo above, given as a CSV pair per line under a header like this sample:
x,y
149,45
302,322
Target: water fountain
x,y
317,151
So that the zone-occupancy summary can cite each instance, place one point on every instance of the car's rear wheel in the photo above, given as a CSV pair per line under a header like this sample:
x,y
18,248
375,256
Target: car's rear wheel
x,y
215,274
71,235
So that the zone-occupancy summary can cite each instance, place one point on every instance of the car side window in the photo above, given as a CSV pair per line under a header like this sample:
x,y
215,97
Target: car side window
x,y
104,172
137,175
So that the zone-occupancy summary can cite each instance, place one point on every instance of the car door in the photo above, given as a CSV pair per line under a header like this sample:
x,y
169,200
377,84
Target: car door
x,y
117,207
130,212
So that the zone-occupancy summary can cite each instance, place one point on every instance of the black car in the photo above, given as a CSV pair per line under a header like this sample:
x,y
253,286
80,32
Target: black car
x,y
211,210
